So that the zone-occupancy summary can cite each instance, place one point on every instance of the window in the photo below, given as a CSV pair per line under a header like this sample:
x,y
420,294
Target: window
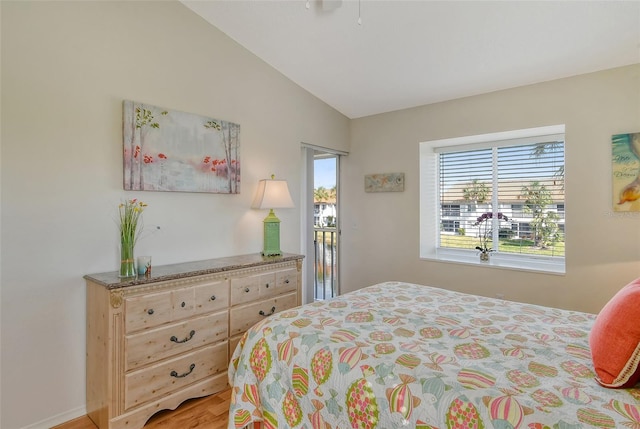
x,y
517,211
521,230
450,225
450,209
517,174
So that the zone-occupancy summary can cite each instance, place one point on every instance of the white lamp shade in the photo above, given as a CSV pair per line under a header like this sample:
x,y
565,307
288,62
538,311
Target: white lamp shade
x,y
272,194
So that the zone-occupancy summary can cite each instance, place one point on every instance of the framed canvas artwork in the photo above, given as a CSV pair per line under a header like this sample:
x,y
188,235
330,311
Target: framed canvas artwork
x,y
168,150
626,172
384,182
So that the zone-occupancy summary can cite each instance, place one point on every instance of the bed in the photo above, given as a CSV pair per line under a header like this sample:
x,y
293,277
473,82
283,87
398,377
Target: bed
x,y
398,355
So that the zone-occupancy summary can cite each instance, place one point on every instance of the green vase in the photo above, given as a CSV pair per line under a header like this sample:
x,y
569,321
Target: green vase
x,y
127,261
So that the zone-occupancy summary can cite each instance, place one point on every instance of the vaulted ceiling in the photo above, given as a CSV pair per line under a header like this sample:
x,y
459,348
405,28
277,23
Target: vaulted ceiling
x,y
410,53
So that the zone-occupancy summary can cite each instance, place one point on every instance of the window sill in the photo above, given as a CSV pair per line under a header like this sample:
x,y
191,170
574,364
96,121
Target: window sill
x,y
499,260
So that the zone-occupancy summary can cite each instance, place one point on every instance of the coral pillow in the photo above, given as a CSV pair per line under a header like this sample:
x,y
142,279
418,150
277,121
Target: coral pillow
x,y
615,339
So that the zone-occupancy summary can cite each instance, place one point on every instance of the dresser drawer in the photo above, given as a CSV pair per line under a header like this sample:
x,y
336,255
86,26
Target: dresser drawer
x,y
212,296
287,280
153,382
200,299
250,288
278,283
267,284
147,311
183,303
153,345
245,289
152,310
244,317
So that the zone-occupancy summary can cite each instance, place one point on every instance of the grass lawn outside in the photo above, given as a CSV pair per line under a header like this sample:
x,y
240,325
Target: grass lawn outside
x,y
519,245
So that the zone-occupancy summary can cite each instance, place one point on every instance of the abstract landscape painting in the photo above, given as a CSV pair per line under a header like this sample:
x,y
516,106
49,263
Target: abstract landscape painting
x,y
168,150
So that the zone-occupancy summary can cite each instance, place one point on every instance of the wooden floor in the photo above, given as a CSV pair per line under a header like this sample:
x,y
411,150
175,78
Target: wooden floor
x,y
210,412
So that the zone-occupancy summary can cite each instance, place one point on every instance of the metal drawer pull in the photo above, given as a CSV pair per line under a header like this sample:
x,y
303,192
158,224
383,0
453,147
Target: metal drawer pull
x,y
213,298
176,340
287,281
262,313
176,375
183,304
150,311
247,290
267,285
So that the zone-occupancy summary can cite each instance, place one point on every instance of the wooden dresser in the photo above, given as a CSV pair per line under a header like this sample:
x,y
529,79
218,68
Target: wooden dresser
x,y
154,342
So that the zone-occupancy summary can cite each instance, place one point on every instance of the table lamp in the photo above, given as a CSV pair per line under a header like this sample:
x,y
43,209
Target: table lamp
x,y
272,194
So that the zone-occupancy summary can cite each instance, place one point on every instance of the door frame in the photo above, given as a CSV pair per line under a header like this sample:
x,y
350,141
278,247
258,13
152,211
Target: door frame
x,y
308,152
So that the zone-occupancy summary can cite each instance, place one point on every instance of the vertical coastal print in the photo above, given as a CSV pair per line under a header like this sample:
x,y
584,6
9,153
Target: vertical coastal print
x,y
167,150
626,172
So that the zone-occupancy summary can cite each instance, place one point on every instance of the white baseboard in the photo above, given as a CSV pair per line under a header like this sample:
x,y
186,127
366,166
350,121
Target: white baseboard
x,y
58,419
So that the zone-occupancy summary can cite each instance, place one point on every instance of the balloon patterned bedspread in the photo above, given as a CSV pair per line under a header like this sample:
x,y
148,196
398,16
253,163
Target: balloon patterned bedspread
x,y
400,355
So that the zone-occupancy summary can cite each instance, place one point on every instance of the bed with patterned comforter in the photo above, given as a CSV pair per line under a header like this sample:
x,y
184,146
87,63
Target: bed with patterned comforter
x,y
399,355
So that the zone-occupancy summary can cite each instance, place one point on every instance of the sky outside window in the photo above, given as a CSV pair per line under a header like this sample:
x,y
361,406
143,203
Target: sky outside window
x,y
324,173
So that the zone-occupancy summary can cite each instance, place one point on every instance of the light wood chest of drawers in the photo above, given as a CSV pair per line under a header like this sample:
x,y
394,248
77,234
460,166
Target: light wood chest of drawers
x,y
155,342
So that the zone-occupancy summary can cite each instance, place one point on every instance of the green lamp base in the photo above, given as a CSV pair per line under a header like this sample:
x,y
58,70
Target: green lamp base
x,y
271,235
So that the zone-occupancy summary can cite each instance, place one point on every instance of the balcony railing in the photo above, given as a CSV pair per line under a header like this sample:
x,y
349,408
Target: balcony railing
x,y
325,267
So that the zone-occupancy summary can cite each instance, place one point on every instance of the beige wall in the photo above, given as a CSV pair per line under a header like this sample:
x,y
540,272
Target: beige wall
x,y
66,67
380,231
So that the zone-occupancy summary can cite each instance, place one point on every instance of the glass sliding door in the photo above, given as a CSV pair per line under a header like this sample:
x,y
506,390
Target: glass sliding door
x,y
326,230
320,222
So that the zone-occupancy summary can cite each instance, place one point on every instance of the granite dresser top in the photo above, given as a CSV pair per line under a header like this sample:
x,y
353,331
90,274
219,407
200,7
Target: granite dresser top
x,y
159,273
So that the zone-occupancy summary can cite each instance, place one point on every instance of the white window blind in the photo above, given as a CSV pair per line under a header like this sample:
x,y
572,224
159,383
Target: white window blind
x,y
507,194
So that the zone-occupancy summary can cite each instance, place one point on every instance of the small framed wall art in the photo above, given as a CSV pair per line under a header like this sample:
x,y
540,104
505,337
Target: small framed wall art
x,y
384,182
168,150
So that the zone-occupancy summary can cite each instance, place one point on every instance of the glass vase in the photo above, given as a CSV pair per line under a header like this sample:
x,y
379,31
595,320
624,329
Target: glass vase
x,y
127,261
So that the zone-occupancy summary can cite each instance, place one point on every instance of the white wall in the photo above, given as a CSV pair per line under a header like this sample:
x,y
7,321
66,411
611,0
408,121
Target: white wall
x,y
66,67
380,230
